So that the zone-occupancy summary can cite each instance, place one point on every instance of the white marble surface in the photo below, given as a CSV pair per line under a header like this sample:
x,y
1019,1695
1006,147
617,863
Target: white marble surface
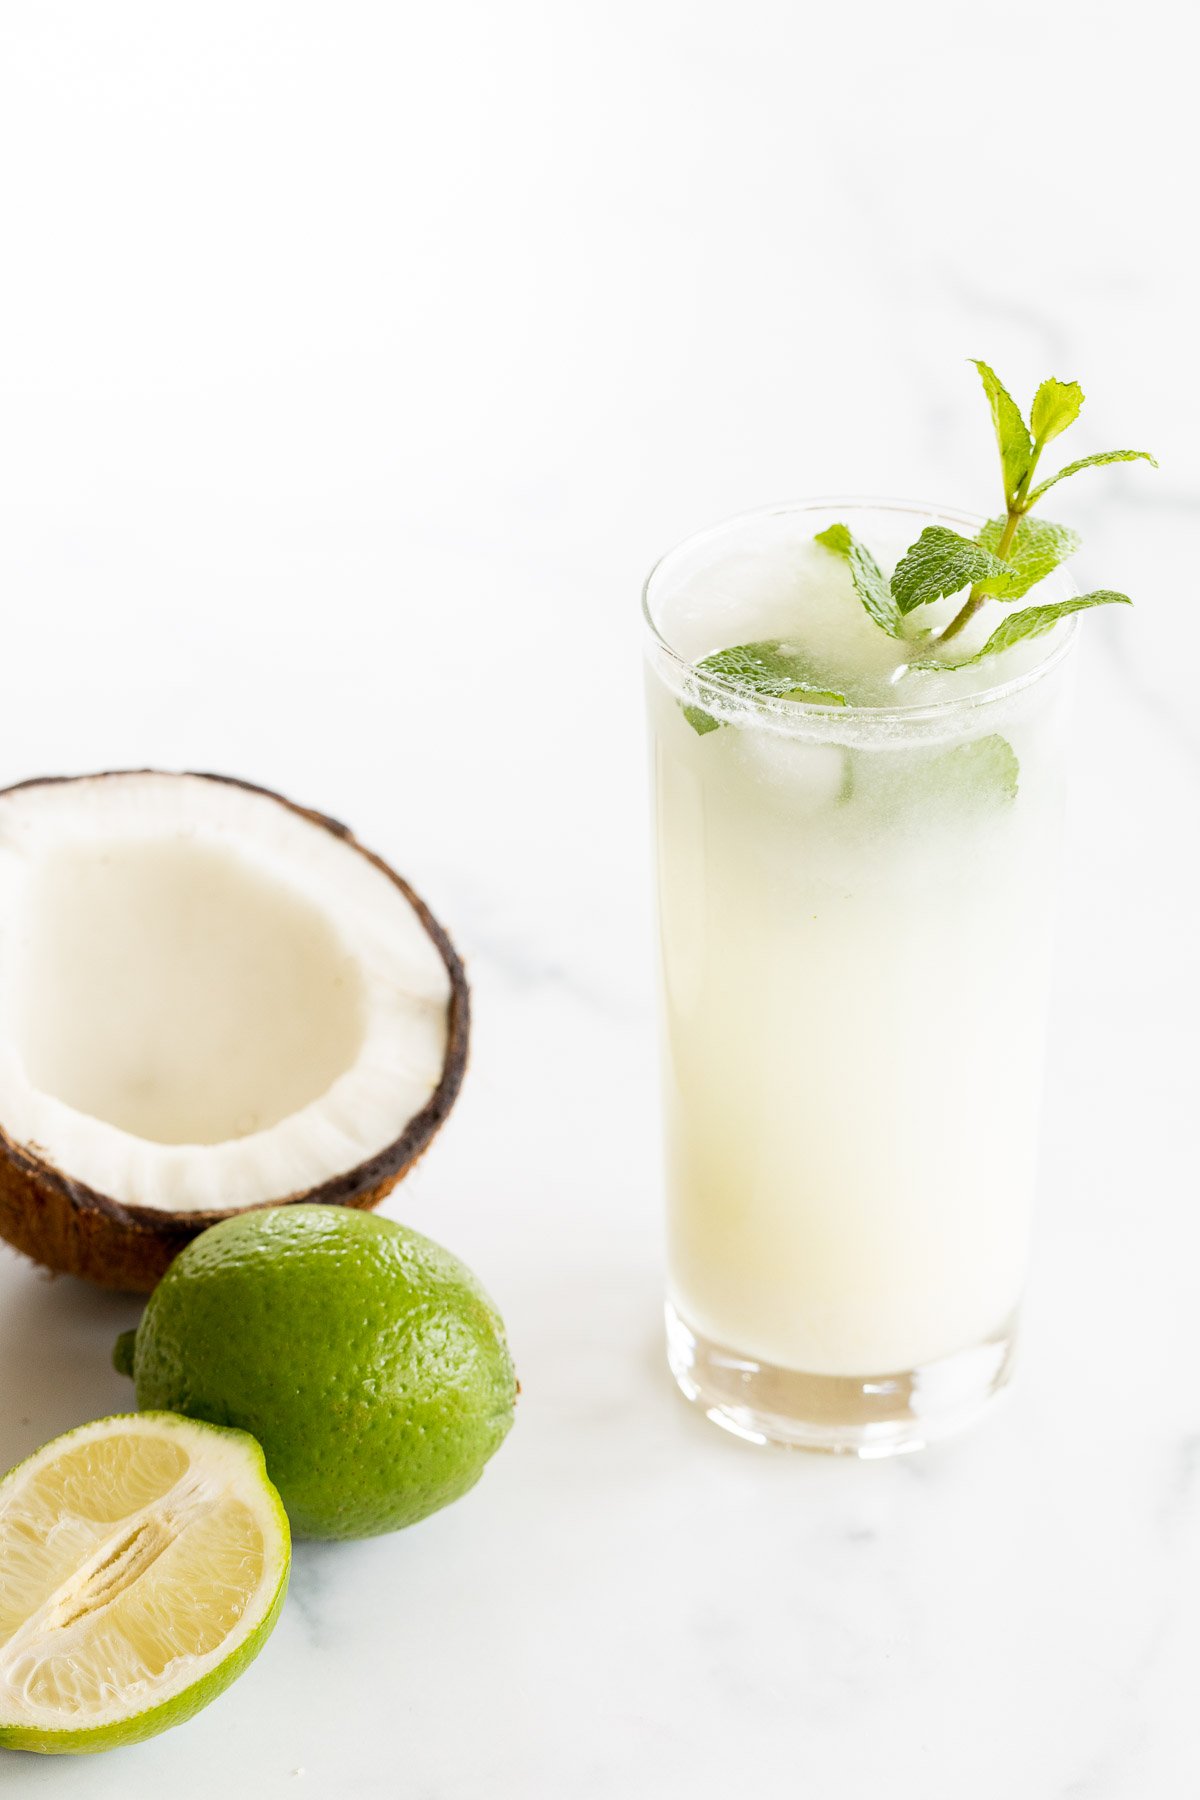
x,y
357,359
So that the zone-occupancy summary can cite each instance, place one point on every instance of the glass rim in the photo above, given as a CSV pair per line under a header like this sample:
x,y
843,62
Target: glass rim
x,y
777,708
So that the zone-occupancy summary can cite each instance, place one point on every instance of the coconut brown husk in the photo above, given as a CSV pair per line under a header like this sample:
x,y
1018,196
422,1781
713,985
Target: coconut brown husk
x,y
69,1227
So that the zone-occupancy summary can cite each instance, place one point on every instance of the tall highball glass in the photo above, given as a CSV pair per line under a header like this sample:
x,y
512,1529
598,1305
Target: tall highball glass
x,y
855,908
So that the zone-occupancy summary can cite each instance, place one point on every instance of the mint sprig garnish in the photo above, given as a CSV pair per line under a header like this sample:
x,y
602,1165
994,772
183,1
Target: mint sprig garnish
x,y
1035,550
1012,434
1008,557
870,582
1011,553
1090,462
772,669
1056,406
1035,621
942,562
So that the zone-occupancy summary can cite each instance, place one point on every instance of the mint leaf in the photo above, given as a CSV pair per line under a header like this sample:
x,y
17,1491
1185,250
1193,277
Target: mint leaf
x,y
952,784
772,669
1091,462
986,769
699,720
1037,548
942,562
870,582
1055,406
1016,450
1034,621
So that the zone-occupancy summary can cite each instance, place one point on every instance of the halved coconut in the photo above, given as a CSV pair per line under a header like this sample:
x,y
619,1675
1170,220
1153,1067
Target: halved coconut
x,y
210,999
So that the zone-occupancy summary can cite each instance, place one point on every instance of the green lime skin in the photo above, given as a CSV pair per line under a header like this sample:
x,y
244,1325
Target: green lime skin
x,y
366,1360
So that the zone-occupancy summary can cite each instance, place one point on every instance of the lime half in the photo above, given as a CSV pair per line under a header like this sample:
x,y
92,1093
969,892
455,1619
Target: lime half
x,y
143,1563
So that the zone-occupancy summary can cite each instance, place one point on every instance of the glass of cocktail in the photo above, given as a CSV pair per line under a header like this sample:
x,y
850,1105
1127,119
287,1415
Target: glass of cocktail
x,y
855,902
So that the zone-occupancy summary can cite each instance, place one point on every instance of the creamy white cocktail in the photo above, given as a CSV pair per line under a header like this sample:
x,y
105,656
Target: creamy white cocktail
x,y
855,910
858,744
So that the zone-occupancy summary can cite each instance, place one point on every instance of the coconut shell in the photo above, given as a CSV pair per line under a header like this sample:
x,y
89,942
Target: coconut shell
x,y
70,1228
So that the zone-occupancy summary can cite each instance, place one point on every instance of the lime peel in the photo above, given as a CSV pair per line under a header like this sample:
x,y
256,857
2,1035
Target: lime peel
x,y
365,1359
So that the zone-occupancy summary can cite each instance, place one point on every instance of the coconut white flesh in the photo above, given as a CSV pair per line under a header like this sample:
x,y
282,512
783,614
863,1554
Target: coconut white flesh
x,y
206,1001
138,1555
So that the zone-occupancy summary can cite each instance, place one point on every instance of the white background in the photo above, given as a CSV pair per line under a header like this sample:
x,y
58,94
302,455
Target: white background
x,y
355,360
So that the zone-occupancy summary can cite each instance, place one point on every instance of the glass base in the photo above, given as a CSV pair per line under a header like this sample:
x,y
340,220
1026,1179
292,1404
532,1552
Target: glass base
x,y
854,1415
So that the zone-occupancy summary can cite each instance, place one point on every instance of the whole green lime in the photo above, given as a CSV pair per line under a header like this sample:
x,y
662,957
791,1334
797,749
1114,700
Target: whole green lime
x,y
366,1360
